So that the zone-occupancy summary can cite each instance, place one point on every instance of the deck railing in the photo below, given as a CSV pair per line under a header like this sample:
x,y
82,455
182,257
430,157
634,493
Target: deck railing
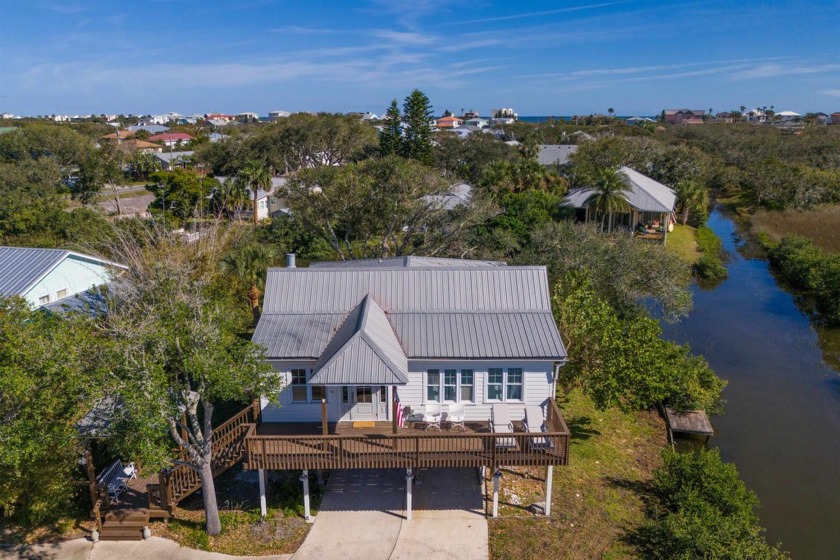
x,y
411,450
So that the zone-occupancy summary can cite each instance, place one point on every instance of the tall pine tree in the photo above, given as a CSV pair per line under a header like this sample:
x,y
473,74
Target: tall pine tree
x,y
390,139
417,116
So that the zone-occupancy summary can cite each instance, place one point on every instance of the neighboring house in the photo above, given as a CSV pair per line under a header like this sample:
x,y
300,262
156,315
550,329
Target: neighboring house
x,y
276,115
785,116
444,331
216,137
651,205
369,117
834,118
478,122
139,146
172,160
171,139
448,122
755,116
684,116
458,195
638,120
150,128
555,154
726,117
44,276
216,122
119,135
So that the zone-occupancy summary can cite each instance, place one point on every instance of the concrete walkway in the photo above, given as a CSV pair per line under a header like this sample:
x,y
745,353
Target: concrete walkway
x,y
362,517
154,548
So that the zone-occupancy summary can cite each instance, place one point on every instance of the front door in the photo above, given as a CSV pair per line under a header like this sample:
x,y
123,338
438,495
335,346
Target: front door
x,y
364,402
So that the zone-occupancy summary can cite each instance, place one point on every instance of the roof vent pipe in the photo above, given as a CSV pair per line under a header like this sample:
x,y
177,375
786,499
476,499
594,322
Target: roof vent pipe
x,y
290,260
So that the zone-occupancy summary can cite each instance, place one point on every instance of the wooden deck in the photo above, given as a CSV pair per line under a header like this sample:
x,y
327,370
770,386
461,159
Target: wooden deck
x,y
303,446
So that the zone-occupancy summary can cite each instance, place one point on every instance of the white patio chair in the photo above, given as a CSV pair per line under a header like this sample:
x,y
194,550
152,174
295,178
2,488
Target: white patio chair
x,y
500,424
432,416
535,424
455,416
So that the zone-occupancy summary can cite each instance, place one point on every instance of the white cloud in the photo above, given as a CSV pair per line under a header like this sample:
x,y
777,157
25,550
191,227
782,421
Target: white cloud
x,y
545,12
831,92
774,70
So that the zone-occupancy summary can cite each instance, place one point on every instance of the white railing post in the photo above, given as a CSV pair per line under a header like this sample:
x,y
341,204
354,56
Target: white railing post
x,y
408,479
549,479
263,505
497,477
305,479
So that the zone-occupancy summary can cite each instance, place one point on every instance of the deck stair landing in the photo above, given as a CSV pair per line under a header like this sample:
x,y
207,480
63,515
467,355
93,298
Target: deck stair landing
x,y
124,524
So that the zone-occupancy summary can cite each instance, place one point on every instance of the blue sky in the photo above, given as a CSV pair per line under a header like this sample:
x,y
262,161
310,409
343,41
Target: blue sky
x,y
541,58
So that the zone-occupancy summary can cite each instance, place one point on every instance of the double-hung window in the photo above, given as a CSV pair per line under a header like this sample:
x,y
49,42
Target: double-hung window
x,y
466,385
450,385
504,385
299,389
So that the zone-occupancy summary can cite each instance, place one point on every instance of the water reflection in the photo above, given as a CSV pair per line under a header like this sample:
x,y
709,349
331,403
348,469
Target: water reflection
x,y
782,416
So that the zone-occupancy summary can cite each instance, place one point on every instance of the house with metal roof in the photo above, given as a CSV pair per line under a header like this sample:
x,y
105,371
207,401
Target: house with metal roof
x,y
650,205
45,276
555,154
435,330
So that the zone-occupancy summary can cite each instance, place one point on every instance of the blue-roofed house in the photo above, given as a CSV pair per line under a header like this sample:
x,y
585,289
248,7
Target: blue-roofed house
x,y
45,276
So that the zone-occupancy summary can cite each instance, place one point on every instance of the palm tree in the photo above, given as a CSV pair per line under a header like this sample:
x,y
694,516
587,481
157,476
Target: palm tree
x,y
255,176
231,197
610,111
609,194
691,197
248,265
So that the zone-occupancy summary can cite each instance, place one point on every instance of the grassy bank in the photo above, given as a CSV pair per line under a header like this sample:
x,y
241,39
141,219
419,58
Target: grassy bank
x,y
599,498
683,242
820,225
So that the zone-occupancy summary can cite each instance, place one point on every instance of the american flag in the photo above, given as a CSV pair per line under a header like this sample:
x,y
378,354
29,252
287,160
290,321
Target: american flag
x,y
399,408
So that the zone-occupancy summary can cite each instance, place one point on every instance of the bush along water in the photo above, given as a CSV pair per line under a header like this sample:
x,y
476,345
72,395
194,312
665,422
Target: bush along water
x,y
812,270
703,510
710,265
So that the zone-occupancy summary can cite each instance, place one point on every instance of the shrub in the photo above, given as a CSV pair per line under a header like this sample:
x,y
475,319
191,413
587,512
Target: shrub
x,y
810,269
710,264
703,511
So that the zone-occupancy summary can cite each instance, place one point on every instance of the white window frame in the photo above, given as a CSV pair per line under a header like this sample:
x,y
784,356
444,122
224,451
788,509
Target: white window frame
x,y
441,385
293,385
505,385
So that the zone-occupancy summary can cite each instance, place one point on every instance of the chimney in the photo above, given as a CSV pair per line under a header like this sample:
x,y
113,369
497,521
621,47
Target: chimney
x,y
290,260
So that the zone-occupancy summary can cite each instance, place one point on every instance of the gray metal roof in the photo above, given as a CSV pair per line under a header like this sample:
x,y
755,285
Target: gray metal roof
x,y
21,268
364,351
483,311
489,288
645,194
168,157
410,261
555,154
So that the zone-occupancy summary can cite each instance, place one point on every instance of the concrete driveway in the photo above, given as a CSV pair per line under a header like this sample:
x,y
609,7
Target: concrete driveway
x,y
362,517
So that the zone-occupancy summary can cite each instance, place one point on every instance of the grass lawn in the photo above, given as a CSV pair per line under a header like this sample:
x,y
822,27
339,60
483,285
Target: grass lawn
x,y
683,242
599,498
820,225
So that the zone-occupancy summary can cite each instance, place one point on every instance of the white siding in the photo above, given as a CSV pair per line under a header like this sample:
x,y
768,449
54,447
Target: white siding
x,y
537,378
73,274
288,411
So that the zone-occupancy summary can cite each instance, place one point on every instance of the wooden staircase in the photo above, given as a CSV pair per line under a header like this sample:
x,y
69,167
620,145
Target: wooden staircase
x,y
228,450
126,524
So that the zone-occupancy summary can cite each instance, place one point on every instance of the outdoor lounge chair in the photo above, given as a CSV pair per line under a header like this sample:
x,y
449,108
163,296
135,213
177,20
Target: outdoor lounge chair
x,y
500,424
115,478
432,416
535,424
455,416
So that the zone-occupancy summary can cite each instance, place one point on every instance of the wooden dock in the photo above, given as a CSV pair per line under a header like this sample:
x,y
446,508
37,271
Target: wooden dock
x,y
691,422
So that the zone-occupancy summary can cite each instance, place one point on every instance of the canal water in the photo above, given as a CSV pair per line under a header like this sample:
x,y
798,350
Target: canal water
x,y
781,424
